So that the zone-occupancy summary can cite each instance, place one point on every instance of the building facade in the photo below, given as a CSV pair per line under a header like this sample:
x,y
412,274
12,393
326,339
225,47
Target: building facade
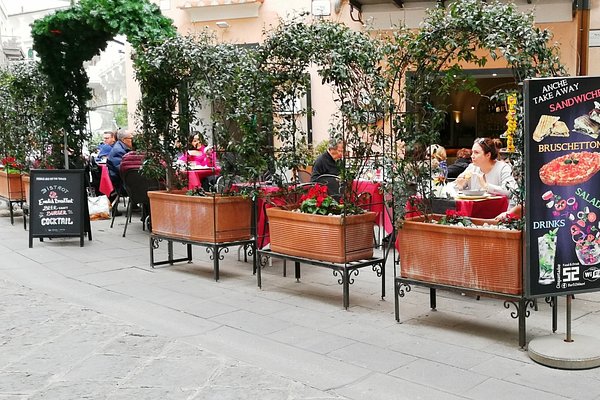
x,y
243,21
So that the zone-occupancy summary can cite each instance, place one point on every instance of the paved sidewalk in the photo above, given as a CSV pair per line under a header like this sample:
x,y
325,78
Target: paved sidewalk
x,y
96,322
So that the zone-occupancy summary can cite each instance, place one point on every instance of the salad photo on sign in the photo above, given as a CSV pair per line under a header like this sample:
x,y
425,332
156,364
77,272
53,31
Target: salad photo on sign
x,y
563,185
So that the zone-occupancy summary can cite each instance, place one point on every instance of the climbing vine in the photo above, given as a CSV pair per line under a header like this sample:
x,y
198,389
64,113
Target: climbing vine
x,y
24,117
66,39
349,63
429,62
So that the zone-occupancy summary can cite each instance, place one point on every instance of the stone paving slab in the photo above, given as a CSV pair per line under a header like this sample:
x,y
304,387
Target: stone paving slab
x,y
293,338
51,349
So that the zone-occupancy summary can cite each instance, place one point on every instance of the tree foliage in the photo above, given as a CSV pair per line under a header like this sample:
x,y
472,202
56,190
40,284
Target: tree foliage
x,y
429,62
24,119
67,38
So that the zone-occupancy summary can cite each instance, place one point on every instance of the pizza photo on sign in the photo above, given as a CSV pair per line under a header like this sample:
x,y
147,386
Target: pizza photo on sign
x,y
570,169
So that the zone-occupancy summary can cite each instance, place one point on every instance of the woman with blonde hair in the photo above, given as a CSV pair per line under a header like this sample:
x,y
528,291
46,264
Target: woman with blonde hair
x,y
437,154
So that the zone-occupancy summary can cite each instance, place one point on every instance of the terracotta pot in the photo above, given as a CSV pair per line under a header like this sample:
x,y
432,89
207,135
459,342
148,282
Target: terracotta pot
x,y
25,182
322,237
11,186
204,219
472,258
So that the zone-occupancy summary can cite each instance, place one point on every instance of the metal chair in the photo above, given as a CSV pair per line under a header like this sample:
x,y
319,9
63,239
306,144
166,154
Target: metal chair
x,y
303,176
334,188
137,186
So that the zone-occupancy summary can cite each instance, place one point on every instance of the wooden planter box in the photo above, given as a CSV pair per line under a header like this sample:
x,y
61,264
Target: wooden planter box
x,y
211,219
26,183
11,187
472,258
322,237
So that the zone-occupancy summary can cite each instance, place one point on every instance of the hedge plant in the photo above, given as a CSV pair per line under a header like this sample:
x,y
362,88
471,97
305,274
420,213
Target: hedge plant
x,y
67,38
349,63
184,74
24,119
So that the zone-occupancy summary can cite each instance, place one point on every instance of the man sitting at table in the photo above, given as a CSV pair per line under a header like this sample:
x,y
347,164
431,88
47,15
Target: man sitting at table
x,y
113,162
104,148
326,168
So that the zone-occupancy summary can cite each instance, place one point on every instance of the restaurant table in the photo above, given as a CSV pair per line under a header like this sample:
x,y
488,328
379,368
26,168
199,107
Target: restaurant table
x,y
268,197
196,175
376,202
485,208
106,186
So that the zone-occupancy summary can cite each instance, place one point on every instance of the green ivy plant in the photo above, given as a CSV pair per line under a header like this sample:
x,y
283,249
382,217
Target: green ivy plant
x,y
349,62
184,74
67,38
24,121
427,63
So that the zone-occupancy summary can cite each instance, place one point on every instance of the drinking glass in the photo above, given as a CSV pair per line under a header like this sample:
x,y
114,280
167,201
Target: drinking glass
x,y
546,251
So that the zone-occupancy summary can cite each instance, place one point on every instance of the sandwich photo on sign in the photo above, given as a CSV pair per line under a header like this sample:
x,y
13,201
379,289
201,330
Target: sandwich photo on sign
x,y
544,127
559,129
584,124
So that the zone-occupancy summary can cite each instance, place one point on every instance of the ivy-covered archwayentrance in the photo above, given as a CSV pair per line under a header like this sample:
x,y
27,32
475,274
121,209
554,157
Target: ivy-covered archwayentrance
x,y
66,39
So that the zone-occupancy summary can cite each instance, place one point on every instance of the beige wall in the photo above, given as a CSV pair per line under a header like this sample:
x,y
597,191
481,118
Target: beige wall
x,y
594,53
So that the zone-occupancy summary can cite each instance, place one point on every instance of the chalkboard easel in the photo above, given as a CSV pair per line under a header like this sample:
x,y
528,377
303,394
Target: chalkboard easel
x,y
58,205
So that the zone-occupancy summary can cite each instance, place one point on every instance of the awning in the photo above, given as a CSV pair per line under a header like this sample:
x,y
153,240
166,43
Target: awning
x,y
214,10
211,3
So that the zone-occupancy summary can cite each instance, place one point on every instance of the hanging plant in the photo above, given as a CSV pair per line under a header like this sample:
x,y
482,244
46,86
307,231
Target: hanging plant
x,y
66,39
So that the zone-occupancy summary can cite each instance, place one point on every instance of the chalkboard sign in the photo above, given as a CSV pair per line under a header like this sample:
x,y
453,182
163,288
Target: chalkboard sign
x,y
58,205
562,152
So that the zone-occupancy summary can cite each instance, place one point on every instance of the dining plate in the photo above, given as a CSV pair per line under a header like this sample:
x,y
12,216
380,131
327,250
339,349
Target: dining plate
x,y
473,192
462,196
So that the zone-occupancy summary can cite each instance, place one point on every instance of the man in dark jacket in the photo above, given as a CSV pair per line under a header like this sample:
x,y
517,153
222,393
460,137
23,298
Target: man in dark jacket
x,y
326,170
463,159
113,162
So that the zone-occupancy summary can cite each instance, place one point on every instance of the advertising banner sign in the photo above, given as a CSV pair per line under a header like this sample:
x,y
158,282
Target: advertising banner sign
x,y
562,155
58,204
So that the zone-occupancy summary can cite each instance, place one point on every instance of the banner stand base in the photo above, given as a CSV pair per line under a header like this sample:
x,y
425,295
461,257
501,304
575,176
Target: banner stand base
x,y
552,351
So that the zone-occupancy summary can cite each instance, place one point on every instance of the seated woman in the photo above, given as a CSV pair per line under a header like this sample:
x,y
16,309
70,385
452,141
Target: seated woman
x,y
486,172
439,165
196,154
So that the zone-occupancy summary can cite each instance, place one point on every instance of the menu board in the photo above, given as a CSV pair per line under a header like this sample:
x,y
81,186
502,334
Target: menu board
x,y
562,154
58,205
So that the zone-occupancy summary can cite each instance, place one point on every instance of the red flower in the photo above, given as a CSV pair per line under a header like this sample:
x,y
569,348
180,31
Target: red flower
x,y
55,32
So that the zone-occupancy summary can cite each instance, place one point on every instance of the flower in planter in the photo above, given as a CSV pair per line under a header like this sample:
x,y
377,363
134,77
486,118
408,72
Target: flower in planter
x,y
197,191
317,201
11,166
454,217
512,222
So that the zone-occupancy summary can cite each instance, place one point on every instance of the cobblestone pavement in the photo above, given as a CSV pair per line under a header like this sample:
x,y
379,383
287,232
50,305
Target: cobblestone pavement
x,y
51,349
97,322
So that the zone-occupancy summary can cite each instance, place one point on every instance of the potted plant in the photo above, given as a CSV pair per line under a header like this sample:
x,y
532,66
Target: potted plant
x,y
323,229
426,63
222,77
352,72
